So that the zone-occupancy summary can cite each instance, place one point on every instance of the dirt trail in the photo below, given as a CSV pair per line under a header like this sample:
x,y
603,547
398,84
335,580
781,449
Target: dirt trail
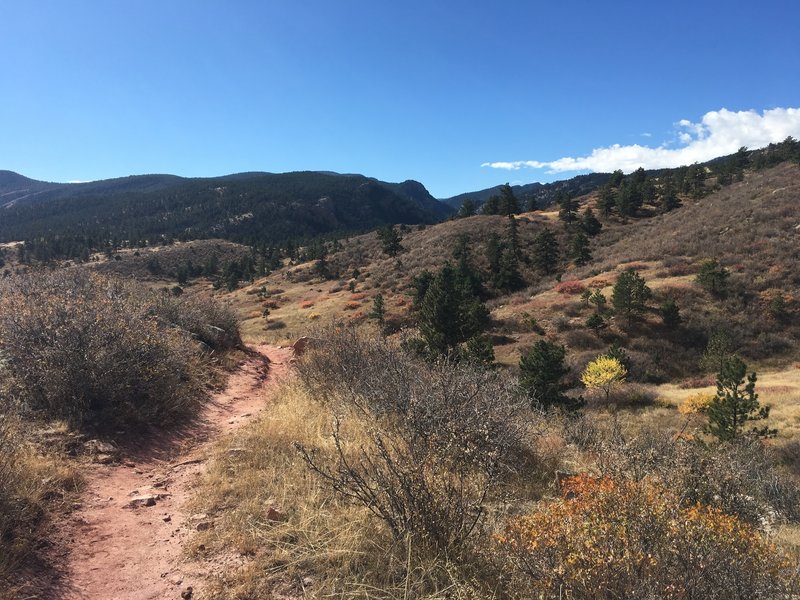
x,y
111,551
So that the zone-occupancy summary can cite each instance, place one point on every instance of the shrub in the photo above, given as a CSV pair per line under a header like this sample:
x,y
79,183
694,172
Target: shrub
x,y
80,347
612,538
604,373
738,477
212,323
570,287
438,438
696,403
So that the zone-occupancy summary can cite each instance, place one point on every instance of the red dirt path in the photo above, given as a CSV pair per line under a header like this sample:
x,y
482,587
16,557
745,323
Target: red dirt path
x,y
109,551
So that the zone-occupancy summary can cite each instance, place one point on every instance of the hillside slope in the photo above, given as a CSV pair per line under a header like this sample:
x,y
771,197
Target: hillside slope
x,y
244,207
752,227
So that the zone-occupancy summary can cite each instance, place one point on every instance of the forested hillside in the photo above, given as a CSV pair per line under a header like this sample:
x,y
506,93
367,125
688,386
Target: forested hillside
x,y
72,220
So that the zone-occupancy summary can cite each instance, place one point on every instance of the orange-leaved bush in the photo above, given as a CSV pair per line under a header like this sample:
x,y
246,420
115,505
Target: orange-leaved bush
x,y
608,538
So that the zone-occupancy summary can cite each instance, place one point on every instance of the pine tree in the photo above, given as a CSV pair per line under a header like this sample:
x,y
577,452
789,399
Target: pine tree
x,y
630,294
420,285
670,314
568,211
449,314
390,239
378,310
595,322
542,369
589,222
606,199
508,205
598,299
491,206
467,275
734,406
579,250
505,269
494,250
478,351
545,251
713,277
719,348
669,197
468,209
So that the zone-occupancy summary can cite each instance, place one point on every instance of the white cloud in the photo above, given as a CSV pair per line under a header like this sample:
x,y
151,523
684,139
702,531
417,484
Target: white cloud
x,y
717,134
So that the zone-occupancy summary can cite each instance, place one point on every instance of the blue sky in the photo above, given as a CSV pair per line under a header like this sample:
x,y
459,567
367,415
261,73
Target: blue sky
x,y
458,95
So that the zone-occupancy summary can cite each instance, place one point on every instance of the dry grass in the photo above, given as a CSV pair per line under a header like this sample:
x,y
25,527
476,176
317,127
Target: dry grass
x,y
317,545
34,479
779,389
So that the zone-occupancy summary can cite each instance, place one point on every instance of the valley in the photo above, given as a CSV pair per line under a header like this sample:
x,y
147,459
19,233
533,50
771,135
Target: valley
x,y
446,418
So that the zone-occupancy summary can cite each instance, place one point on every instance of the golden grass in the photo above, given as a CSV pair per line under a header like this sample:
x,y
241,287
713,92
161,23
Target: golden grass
x,y
779,389
34,478
292,535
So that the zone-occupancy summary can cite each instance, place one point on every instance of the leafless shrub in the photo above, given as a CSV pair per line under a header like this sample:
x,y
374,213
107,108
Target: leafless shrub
x,y
738,477
437,438
80,347
212,323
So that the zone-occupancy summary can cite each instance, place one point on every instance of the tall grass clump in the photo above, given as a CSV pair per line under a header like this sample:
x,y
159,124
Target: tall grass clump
x,y
30,476
89,349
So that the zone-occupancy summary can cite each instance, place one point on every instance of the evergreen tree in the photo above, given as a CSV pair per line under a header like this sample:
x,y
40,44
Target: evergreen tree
x,y
719,349
494,250
449,314
506,271
589,222
568,208
670,314
545,251
468,209
694,183
734,406
669,197
508,277
390,239
468,276
478,351
378,310
508,204
777,308
543,368
532,204
618,353
420,285
606,199
595,322
630,294
579,250
598,299
713,277
491,206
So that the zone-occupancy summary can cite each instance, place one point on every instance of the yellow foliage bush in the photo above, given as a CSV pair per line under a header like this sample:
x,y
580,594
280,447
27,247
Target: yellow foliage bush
x,y
626,539
696,403
604,373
